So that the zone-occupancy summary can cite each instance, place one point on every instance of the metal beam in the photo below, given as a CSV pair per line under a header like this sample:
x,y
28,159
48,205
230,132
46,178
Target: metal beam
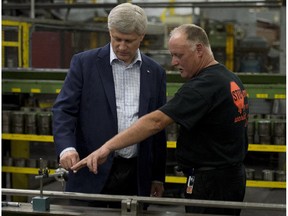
x,y
172,76
184,4
149,200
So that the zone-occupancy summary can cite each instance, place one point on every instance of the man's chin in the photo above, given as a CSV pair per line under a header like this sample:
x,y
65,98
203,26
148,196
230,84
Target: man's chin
x,y
124,59
183,76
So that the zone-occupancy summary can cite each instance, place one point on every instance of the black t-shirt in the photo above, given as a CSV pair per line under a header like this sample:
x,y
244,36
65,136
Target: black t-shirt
x,y
212,111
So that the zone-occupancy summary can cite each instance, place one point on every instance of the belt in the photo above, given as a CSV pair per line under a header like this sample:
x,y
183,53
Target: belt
x,y
192,171
125,160
204,169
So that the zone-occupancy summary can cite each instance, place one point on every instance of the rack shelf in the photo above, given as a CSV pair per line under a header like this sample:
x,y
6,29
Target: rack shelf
x,y
267,148
170,144
27,137
23,170
50,81
168,179
54,87
249,183
252,147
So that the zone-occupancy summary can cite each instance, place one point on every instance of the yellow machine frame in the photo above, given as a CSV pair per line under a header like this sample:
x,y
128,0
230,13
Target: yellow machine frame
x,y
22,42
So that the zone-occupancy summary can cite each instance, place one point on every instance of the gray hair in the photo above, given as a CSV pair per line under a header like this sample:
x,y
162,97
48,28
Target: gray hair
x,y
127,18
195,34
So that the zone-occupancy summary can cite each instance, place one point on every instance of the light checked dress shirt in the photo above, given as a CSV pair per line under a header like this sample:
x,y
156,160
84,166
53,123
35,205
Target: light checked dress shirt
x,y
127,92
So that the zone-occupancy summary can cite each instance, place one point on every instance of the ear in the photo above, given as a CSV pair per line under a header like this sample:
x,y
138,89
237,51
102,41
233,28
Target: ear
x,y
142,37
199,48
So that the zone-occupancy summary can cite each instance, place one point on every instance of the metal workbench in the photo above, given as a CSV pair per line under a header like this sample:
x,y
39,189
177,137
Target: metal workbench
x,y
130,205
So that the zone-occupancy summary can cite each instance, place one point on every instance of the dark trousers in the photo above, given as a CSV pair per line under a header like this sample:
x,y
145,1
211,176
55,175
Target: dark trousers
x,y
226,184
121,181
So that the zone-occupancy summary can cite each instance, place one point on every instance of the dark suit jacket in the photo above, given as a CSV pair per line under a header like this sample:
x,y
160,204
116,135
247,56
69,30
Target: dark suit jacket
x,y
84,117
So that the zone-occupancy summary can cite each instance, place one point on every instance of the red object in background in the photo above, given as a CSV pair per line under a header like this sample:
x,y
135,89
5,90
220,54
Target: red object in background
x,y
51,49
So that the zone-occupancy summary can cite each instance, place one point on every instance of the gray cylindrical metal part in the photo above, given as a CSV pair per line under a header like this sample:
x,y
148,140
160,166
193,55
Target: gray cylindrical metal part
x,y
19,162
279,128
279,140
264,128
32,163
30,123
280,175
250,173
7,161
151,200
17,122
265,139
44,123
6,121
268,175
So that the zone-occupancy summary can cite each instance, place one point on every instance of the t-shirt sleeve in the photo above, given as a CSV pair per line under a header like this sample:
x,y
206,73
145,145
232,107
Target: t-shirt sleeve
x,y
186,108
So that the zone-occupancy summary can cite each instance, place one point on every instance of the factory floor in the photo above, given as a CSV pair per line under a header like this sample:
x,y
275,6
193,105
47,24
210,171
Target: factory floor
x,y
253,195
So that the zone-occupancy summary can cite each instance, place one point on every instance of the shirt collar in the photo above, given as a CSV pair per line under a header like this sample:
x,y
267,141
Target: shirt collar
x,y
113,57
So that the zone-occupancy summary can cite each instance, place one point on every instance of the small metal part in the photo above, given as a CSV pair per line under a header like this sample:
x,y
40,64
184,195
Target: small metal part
x,y
11,204
43,172
41,203
61,174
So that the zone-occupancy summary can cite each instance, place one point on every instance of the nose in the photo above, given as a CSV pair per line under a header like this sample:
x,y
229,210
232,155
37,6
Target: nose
x,y
122,45
174,61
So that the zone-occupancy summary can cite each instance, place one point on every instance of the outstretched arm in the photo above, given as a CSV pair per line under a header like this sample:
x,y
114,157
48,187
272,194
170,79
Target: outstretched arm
x,y
145,127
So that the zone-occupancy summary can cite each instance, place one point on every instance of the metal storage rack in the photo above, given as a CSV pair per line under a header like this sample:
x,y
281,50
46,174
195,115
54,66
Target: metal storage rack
x,y
170,144
50,81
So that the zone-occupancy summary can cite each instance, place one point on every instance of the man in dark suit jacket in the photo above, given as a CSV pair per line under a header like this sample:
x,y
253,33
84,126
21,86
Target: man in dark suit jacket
x,y
105,91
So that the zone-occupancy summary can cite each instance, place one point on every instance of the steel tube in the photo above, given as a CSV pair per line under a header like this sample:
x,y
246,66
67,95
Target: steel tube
x,y
32,9
150,200
217,4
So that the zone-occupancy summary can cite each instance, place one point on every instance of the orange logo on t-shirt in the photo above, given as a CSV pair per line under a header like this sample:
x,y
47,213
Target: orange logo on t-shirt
x,y
238,96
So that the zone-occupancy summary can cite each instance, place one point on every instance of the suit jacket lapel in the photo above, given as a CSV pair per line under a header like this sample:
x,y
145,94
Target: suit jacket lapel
x,y
107,78
145,91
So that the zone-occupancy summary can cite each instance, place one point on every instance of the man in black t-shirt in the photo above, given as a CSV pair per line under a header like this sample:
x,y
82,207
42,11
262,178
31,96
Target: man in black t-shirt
x,y
212,111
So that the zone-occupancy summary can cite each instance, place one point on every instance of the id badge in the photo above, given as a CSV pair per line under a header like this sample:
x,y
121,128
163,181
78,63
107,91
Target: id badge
x,y
190,184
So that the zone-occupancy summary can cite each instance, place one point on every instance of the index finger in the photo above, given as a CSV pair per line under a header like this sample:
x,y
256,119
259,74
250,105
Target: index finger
x,y
79,165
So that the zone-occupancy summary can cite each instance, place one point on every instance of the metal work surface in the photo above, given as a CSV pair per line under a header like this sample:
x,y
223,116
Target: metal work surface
x,y
131,205
26,209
